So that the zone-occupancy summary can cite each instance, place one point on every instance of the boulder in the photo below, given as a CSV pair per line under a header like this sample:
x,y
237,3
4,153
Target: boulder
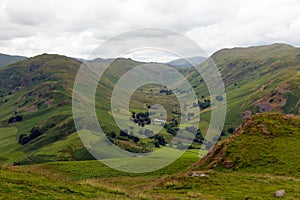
x,y
279,193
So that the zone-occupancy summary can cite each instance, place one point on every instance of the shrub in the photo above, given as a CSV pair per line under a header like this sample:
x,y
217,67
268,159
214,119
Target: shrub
x,y
15,119
230,130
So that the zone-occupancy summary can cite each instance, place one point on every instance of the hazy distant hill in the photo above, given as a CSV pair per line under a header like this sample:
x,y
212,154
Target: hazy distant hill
x,y
8,59
187,62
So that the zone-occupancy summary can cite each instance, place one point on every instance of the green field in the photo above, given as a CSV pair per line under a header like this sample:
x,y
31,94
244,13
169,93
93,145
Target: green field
x,y
8,144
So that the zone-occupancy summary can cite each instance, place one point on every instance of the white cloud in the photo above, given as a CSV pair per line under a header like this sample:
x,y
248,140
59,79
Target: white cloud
x,y
74,28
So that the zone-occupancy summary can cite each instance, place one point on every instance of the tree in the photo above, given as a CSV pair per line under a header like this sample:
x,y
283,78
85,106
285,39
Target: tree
x,y
136,139
112,135
123,133
133,115
34,133
23,139
204,104
230,130
156,144
160,139
15,119
19,118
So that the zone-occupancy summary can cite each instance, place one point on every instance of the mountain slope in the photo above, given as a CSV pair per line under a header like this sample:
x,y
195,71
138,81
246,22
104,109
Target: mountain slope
x,y
36,100
36,97
257,79
8,59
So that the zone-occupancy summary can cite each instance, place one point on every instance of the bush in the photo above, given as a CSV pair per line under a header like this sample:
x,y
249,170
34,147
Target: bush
x,y
204,105
136,139
23,139
160,139
123,133
230,130
34,133
15,119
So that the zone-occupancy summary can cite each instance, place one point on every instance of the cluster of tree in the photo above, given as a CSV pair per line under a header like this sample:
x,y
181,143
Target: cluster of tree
x,y
172,127
166,91
159,140
202,105
34,133
123,135
15,119
141,119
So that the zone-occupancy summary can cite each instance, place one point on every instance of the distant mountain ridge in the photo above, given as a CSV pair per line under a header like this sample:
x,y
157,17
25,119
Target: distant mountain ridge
x,y
8,59
186,62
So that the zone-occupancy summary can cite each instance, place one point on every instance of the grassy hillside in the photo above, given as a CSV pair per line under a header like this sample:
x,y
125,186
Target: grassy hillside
x,y
260,79
16,185
264,143
37,91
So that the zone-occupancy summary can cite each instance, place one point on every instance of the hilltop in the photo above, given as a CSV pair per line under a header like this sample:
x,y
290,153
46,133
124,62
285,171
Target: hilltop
x,y
264,143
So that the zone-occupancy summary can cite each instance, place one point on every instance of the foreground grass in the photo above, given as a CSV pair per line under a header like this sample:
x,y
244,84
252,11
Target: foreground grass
x,y
215,185
16,185
230,185
93,180
79,170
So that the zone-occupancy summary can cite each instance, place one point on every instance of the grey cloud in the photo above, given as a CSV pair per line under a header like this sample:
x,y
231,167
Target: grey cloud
x,y
74,28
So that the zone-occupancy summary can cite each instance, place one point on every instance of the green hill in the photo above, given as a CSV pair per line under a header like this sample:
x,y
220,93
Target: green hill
x,y
36,100
257,79
264,143
260,79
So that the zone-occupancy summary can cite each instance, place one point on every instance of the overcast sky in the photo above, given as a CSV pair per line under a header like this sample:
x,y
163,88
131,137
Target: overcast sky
x,y
75,28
